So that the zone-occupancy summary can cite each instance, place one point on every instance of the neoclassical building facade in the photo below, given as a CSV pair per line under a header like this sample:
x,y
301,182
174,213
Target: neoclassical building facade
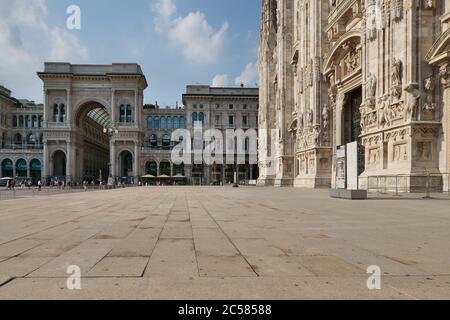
x,y
21,137
93,125
81,101
375,72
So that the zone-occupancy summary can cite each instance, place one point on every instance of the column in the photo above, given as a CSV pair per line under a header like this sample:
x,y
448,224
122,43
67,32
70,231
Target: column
x,y
69,106
69,162
136,113
112,158
171,169
28,170
445,80
136,161
45,164
113,108
340,101
45,109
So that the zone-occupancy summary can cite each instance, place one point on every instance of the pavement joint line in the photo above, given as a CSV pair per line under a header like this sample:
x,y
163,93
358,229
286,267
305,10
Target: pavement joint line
x,y
132,229
227,236
4,283
193,239
160,232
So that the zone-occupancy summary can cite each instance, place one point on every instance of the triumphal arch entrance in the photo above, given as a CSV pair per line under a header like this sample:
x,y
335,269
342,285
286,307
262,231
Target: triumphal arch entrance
x,y
92,121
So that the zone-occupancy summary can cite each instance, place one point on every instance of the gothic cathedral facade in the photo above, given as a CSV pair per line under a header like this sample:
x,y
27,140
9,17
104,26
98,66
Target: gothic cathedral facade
x,y
375,72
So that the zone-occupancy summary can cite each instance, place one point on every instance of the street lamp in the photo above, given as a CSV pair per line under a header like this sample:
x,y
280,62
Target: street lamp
x,y
110,132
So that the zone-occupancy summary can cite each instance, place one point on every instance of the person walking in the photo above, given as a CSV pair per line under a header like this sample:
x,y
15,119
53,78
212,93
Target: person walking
x,y
85,185
39,185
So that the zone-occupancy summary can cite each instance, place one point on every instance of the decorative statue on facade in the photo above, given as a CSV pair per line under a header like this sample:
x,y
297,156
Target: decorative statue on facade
x,y
332,98
310,117
385,113
396,77
381,112
317,135
444,73
325,116
373,16
371,90
352,59
411,111
429,105
362,123
397,10
428,4
301,122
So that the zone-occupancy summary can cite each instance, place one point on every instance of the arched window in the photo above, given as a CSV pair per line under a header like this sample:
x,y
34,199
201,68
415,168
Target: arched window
x,y
129,114
201,118
182,123
153,141
164,168
150,123
28,121
21,168
176,123
41,139
169,123
178,169
40,122
151,168
194,118
18,139
166,141
14,121
7,168
62,113
31,138
156,122
21,124
55,113
35,121
163,123
122,114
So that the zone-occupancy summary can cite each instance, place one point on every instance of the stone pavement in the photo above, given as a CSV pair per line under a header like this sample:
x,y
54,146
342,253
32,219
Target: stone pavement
x,y
223,243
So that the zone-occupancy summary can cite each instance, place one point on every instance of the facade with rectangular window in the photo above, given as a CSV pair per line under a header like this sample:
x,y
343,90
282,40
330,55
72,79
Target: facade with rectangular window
x,y
223,109
21,137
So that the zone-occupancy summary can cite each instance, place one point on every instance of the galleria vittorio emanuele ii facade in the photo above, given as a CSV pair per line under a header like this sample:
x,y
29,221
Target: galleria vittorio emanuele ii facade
x,y
375,72
94,126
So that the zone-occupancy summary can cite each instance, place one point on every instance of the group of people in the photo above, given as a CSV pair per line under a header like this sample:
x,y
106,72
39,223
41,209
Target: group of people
x,y
11,184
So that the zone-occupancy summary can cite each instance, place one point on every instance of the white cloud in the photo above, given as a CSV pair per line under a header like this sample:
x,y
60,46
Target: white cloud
x,y
64,44
220,80
164,10
199,41
249,77
26,41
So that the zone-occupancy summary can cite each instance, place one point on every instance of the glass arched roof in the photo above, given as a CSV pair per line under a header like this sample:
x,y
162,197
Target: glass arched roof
x,y
100,116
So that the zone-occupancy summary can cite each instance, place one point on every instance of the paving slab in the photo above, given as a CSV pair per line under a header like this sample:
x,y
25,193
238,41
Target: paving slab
x,y
119,267
223,243
173,257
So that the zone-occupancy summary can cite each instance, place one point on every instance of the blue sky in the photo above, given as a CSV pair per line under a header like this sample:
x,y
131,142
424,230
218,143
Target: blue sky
x,y
177,42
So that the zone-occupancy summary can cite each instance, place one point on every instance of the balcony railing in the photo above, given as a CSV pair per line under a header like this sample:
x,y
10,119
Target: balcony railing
x,y
23,147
